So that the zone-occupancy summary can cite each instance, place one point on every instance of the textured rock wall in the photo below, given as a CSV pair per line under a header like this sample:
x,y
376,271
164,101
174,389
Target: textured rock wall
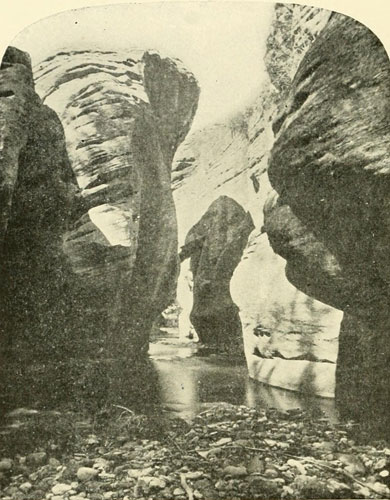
x,y
214,246
290,338
330,166
38,195
124,115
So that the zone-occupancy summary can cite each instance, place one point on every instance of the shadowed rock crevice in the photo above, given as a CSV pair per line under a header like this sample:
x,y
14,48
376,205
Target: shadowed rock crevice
x,y
215,245
330,166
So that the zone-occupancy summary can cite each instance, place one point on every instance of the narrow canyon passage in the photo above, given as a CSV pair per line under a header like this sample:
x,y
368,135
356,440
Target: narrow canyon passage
x,y
194,299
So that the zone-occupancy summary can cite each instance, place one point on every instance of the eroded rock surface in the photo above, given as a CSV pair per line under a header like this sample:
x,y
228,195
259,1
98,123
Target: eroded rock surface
x,y
39,194
289,337
124,116
330,166
215,245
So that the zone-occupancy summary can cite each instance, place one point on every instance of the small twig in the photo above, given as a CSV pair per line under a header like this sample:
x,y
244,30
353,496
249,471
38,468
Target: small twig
x,y
124,409
186,487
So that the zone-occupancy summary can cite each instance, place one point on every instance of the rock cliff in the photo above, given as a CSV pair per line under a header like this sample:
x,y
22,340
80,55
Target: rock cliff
x,y
330,166
291,339
38,195
124,116
215,245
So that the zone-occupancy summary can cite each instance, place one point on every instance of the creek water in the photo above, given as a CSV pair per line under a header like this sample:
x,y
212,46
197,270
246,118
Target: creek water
x,y
179,380
188,382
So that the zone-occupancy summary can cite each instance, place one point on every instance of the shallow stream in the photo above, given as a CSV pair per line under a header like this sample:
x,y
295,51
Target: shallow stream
x,y
189,381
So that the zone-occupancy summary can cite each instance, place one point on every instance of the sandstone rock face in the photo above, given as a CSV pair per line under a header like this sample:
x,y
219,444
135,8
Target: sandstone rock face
x,y
124,116
289,338
215,245
330,166
39,194
17,100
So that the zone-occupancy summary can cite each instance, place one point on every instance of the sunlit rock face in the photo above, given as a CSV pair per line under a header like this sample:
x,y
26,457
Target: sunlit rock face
x,y
330,166
124,115
215,245
290,339
38,195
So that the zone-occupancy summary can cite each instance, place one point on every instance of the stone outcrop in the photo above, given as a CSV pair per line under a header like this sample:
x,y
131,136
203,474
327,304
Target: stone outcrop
x,y
330,167
289,337
38,195
124,115
215,245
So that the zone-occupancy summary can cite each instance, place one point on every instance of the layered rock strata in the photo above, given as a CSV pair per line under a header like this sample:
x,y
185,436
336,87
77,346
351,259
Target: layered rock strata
x,y
330,166
124,116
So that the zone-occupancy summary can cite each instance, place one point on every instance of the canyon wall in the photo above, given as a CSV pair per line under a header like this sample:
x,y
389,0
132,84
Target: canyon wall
x,y
291,339
124,115
89,241
330,166
38,196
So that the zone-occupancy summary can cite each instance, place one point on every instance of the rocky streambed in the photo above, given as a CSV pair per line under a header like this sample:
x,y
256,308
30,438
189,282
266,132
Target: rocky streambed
x,y
227,451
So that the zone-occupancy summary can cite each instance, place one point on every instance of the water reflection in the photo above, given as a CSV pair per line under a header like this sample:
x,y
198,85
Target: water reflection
x,y
175,380
188,383
80,384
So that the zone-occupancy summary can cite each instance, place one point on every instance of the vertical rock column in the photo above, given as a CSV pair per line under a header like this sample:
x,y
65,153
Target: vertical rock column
x,y
215,245
124,115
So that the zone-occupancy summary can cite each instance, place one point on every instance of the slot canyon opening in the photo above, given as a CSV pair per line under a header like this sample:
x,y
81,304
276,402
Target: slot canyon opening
x,y
173,293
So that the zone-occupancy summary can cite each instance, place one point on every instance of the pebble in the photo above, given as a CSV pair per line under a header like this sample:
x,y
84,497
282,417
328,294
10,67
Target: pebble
x,y
256,465
271,473
61,489
381,464
148,469
38,458
157,483
353,463
102,463
86,473
5,464
25,487
54,462
234,471
382,489
194,475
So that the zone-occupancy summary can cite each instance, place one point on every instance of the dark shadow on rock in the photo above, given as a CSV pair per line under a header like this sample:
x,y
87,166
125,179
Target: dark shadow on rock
x,y
329,165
